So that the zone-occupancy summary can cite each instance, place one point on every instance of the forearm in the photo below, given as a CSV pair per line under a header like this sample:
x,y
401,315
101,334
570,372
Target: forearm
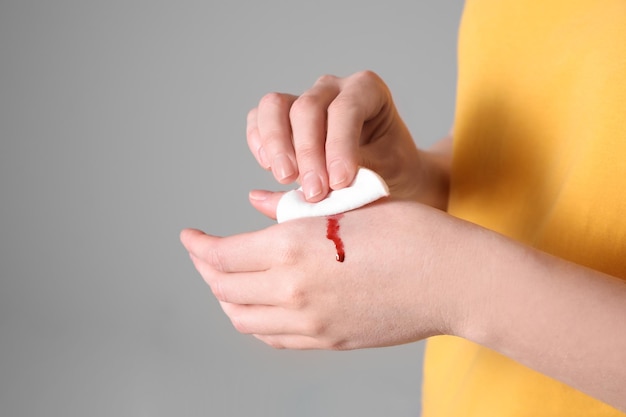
x,y
561,319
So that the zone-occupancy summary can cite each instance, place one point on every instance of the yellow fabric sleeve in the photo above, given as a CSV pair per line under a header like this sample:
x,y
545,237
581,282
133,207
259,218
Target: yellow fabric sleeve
x,y
540,156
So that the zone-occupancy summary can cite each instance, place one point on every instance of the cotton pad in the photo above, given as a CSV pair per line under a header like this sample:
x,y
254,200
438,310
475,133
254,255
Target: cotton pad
x,y
366,188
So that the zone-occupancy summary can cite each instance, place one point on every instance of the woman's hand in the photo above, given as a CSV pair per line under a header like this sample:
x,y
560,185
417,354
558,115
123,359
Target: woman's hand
x,y
320,138
284,285
411,271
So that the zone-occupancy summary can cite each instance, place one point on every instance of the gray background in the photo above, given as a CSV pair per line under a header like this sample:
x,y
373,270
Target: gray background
x,y
122,122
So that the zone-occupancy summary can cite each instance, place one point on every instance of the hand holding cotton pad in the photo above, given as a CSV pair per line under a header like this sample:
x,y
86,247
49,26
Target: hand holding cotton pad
x,y
366,188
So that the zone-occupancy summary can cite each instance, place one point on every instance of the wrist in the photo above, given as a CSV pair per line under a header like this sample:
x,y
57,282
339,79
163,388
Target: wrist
x,y
433,179
457,273
490,292
478,259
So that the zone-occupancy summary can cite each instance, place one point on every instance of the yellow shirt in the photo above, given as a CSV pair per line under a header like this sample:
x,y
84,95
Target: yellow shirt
x,y
540,156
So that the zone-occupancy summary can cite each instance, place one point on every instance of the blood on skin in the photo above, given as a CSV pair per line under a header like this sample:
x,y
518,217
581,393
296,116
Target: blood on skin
x,y
332,233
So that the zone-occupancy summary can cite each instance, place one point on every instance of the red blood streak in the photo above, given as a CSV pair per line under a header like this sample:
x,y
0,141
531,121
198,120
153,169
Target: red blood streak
x,y
332,233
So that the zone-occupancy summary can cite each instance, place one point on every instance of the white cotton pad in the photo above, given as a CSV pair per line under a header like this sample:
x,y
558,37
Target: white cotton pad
x,y
367,187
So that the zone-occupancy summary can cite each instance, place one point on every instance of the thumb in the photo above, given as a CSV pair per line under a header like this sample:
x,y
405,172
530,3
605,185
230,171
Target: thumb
x,y
197,242
265,201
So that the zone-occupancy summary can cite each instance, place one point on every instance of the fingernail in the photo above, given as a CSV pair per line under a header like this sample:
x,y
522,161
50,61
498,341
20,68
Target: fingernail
x,y
258,195
312,185
337,173
283,167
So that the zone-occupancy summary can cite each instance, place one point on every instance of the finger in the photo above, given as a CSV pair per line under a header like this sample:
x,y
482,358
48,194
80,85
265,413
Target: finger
x,y
362,98
197,242
274,130
290,341
229,288
246,288
308,123
254,139
265,201
265,320
237,253
208,273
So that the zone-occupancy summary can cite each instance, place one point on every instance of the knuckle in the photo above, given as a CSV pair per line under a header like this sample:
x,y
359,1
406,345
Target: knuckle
x,y
295,296
326,78
288,250
315,328
217,260
337,344
217,289
367,77
305,105
369,80
343,103
289,256
274,100
307,154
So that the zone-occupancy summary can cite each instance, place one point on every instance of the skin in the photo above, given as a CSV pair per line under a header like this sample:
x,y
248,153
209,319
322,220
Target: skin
x,y
441,275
